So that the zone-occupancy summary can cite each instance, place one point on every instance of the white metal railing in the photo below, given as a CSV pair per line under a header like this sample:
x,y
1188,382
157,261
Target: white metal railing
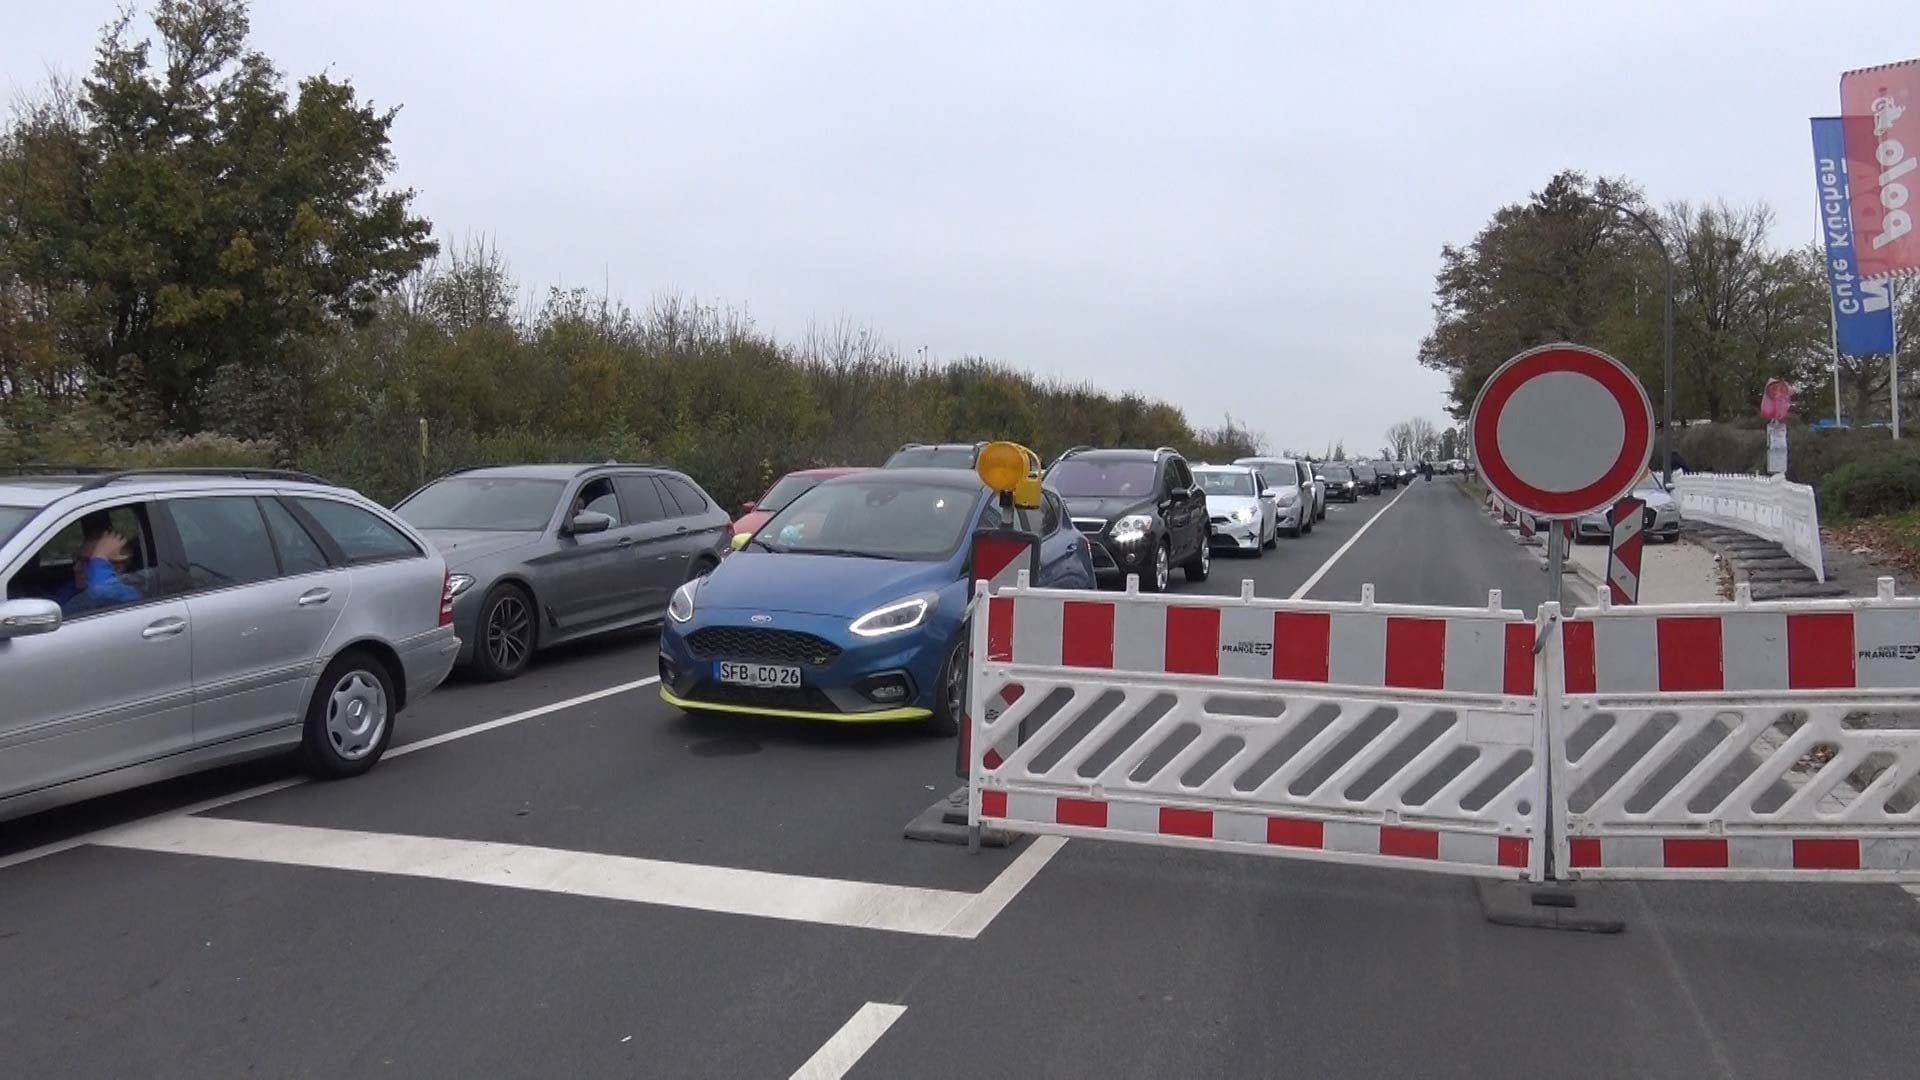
x,y
1769,507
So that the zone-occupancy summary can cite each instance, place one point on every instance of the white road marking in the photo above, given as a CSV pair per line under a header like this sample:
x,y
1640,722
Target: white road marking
x,y
1912,890
841,1053
730,890
58,846
1351,540
991,901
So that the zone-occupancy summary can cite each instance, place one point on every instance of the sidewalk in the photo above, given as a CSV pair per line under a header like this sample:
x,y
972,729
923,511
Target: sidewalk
x,y
1678,573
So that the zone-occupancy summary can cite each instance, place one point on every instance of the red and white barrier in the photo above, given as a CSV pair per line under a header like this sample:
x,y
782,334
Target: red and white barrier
x,y
1744,741
1261,725
1623,550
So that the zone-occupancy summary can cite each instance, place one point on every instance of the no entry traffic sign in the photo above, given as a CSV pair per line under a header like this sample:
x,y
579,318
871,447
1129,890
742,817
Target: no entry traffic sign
x,y
1561,431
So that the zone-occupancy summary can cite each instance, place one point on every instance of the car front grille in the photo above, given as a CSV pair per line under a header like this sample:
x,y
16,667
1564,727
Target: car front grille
x,y
764,644
802,699
1091,526
1102,559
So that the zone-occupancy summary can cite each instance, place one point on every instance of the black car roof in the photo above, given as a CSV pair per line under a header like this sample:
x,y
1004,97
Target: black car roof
x,y
924,474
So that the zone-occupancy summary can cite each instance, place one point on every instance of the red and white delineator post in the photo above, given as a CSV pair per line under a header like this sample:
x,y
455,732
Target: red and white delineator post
x,y
1623,552
1734,741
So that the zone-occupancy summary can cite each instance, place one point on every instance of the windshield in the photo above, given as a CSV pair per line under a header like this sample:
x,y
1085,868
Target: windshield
x,y
485,504
11,518
875,518
1335,472
787,489
1086,478
932,457
1225,483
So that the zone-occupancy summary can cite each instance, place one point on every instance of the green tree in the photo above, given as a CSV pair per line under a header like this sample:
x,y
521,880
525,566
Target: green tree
x,y
210,221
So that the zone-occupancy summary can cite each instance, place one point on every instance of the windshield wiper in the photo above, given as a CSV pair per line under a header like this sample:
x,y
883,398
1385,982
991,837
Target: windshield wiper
x,y
850,554
765,546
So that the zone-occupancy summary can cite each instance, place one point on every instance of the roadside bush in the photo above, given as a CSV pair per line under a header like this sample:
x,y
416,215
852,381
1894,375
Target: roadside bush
x,y
1720,448
1813,457
1882,484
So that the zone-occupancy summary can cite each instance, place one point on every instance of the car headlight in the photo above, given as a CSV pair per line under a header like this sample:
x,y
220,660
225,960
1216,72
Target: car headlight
x,y
1289,496
458,583
893,618
1242,516
1132,529
680,608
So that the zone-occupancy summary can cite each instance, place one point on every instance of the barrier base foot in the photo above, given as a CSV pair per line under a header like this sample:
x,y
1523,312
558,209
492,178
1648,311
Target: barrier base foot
x,y
945,822
1548,907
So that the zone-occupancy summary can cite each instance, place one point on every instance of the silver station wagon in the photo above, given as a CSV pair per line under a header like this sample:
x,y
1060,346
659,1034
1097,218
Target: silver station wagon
x,y
158,622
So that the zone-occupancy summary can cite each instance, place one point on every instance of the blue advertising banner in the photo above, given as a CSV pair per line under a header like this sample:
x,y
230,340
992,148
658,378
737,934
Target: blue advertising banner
x,y
1862,310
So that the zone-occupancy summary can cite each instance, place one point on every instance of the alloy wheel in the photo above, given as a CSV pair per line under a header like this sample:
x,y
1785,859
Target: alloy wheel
x,y
509,632
356,714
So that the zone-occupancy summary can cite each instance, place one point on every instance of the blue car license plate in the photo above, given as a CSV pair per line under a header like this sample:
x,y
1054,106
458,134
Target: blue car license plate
x,y
741,673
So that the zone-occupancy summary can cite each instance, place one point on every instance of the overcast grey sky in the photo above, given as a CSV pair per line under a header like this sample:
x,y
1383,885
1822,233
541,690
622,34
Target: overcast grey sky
x,y
1237,207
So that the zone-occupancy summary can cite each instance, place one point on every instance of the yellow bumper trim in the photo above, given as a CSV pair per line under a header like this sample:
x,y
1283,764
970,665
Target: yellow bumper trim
x,y
882,716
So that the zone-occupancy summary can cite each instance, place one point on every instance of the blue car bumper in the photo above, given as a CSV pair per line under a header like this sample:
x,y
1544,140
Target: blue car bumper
x,y
844,677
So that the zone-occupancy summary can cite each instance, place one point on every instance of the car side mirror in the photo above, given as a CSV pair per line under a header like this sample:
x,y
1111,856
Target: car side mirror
x,y
1270,494
748,508
588,521
25,618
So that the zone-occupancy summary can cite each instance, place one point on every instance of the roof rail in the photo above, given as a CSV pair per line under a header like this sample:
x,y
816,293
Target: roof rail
x,y
235,473
1166,450
1069,452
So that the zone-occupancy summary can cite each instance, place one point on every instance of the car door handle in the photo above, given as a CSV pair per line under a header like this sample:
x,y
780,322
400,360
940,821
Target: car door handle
x,y
681,529
625,541
314,597
164,628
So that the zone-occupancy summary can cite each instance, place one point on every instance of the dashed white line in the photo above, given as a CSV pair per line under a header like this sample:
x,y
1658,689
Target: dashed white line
x,y
844,1050
1351,540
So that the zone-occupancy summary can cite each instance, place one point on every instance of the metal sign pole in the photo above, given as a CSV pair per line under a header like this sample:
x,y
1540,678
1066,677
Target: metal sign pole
x,y
1556,560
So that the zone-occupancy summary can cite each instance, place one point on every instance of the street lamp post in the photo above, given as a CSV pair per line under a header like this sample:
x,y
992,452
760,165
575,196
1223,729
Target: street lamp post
x,y
1666,333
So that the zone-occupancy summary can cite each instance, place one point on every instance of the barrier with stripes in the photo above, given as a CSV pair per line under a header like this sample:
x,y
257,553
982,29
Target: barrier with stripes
x,y
1748,741
1348,732
1742,740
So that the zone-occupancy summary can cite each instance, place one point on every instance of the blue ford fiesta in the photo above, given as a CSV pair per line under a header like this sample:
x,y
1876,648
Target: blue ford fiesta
x,y
850,604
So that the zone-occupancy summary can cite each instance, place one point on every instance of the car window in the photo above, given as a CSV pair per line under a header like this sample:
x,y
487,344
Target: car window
x,y
299,552
59,572
225,540
684,495
991,516
640,499
360,535
1088,478
489,503
1227,482
11,518
1181,477
596,496
1051,514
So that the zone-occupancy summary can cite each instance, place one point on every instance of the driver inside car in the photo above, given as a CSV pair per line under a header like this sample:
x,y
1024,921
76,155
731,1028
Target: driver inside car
x,y
97,570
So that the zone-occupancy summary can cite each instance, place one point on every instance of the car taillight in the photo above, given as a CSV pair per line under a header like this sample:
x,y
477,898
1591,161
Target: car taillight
x,y
446,600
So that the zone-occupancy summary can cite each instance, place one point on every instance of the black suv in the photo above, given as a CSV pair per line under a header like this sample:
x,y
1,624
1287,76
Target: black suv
x,y
1141,510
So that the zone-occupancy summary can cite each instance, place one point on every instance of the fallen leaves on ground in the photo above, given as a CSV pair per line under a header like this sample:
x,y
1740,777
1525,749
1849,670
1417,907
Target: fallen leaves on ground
x,y
1893,539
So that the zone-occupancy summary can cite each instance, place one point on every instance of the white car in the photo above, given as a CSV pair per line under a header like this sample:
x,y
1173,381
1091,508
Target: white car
x,y
1660,520
1299,477
1244,513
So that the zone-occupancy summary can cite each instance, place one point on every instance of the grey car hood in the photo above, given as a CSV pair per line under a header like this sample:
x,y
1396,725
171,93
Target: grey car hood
x,y
462,546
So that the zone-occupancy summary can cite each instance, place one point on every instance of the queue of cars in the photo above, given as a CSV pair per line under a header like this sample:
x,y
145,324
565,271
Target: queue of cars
x,y
254,612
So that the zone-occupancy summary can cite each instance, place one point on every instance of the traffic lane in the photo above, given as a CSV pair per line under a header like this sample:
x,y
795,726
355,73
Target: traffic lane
x,y
212,968
563,673
630,775
1278,573
1131,962
1436,547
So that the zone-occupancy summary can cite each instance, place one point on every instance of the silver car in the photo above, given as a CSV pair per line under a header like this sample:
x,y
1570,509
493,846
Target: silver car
x,y
163,621
542,554
1307,504
1660,517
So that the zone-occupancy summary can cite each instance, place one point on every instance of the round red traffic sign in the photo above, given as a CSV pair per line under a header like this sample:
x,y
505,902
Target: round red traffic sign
x,y
1561,431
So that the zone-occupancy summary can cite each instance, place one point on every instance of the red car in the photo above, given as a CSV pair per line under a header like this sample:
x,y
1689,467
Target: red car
x,y
784,490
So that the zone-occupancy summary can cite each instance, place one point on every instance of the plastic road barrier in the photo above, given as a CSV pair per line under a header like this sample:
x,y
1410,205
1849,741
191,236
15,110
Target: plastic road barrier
x,y
1743,741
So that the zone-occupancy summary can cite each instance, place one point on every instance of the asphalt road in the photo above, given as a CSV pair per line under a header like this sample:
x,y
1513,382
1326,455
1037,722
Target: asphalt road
x,y
551,886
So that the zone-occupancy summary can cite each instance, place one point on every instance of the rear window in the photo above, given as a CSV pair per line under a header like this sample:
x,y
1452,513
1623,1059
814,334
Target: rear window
x,y
684,495
360,534
932,457
225,539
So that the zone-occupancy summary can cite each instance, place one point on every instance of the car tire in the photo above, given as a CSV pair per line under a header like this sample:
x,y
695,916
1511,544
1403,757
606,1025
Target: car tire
x,y
349,721
1198,567
1160,574
503,652
947,712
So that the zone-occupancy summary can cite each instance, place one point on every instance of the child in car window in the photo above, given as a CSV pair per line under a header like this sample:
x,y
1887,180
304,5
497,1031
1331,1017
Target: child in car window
x,y
97,565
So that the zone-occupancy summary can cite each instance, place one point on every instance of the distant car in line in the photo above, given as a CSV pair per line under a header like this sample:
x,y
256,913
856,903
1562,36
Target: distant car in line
x,y
1366,477
936,456
850,605
1342,484
156,622
784,490
1283,473
1243,507
1659,518
543,554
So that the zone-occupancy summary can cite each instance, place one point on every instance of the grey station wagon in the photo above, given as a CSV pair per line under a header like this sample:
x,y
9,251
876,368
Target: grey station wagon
x,y
542,554
157,622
